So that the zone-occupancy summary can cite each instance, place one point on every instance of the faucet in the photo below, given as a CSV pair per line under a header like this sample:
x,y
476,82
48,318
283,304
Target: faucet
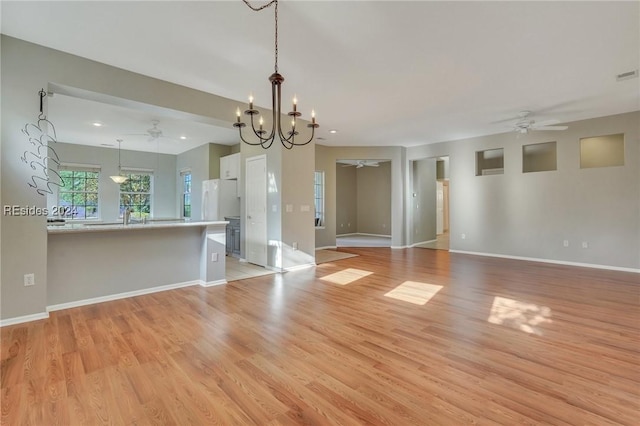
x,y
126,216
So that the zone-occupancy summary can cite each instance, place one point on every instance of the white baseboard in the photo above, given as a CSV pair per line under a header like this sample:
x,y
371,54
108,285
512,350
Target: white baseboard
x,y
399,247
557,262
118,296
326,248
352,234
298,267
25,318
212,283
422,242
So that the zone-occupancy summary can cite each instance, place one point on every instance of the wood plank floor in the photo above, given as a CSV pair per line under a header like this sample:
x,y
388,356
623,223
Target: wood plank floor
x,y
469,340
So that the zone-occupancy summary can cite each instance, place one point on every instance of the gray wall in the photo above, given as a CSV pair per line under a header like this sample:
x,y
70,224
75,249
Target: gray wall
x,y
531,214
289,182
374,199
215,152
423,200
68,269
25,69
326,160
196,160
163,166
346,199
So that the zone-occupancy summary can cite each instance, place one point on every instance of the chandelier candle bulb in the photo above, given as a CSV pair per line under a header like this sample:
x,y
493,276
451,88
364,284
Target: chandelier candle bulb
x,y
295,103
238,114
313,117
250,101
261,123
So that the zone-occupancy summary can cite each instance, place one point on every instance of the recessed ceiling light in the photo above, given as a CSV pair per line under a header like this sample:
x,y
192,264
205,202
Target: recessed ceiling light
x,y
183,137
97,124
333,131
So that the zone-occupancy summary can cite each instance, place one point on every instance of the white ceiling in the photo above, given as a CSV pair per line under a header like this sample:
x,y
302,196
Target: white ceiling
x,y
380,72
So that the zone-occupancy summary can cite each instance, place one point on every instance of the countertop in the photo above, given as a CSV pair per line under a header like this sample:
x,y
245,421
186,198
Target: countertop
x,y
105,227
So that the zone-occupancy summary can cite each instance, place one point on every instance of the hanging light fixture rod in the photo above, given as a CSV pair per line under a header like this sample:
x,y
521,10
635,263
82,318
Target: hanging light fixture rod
x,y
287,137
119,178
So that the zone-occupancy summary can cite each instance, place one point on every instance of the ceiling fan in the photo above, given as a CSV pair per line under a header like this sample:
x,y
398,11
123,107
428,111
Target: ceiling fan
x,y
154,133
525,124
359,163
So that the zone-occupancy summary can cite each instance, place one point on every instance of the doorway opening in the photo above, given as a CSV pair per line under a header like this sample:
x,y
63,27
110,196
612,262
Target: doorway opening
x,y
430,207
363,203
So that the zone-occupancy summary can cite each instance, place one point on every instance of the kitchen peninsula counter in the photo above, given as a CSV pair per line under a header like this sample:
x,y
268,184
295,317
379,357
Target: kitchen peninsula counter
x,y
96,262
134,226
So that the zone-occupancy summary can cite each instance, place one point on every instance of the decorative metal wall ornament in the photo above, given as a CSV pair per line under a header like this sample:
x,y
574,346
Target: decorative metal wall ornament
x,y
42,135
287,138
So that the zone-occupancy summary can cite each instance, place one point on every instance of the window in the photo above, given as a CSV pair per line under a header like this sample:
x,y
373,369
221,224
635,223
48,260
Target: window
x,y
135,194
490,162
186,193
539,157
318,191
78,198
602,151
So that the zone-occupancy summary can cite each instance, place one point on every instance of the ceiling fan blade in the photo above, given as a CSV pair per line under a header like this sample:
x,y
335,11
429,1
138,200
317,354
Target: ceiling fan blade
x,y
545,123
550,128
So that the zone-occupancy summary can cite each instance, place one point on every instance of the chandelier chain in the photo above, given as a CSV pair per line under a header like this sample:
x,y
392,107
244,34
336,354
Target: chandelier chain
x,y
287,138
258,9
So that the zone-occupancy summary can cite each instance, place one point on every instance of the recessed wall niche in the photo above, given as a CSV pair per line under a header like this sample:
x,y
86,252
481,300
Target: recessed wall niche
x,y
539,157
490,162
602,151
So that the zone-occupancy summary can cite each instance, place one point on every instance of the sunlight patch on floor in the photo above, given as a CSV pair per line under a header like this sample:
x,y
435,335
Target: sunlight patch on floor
x,y
527,317
346,276
414,292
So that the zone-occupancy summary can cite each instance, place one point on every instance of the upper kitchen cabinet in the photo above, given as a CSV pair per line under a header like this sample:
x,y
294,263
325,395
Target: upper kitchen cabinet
x,y
230,166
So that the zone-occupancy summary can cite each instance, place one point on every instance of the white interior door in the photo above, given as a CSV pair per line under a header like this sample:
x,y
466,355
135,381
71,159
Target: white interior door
x,y
256,210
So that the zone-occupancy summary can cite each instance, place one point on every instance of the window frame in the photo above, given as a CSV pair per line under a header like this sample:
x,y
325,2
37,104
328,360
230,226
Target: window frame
x,y
72,209
133,172
319,211
183,174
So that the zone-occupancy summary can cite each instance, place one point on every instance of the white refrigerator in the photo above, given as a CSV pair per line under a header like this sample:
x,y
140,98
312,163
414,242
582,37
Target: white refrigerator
x,y
220,199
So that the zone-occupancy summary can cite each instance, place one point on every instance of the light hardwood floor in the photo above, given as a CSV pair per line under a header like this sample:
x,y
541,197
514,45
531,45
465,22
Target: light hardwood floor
x,y
464,340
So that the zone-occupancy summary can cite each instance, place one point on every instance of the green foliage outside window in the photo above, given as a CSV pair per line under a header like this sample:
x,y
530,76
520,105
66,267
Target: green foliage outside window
x,y
135,195
79,195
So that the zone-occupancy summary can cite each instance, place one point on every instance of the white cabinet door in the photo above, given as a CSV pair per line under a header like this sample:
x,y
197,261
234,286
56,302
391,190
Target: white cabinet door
x,y
230,166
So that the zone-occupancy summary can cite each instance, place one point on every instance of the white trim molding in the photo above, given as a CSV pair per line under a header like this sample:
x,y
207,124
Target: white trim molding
x,y
298,267
212,283
556,262
422,242
117,296
24,318
326,248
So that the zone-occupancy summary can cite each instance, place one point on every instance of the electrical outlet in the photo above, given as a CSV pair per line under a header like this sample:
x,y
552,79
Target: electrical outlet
x,y
585,244
565,243
214,257
463,236
294,246
29,280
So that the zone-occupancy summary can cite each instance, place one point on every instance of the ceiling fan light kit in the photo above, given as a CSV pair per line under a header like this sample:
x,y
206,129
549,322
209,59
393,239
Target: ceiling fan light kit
x,y
287,137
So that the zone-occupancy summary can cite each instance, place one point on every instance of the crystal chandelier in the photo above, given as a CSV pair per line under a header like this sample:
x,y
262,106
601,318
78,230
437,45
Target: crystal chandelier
x,y
263,137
